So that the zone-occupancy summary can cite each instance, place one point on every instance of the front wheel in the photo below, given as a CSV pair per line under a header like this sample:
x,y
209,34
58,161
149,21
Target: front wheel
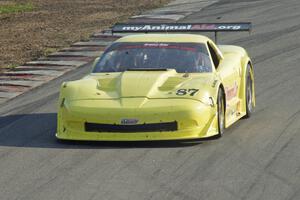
x,y
221,113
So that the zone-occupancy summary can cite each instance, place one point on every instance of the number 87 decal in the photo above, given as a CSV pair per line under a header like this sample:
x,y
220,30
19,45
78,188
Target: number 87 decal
x,y
182,92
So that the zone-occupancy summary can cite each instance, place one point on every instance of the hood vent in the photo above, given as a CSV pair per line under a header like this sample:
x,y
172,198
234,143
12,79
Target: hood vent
x,y
171,83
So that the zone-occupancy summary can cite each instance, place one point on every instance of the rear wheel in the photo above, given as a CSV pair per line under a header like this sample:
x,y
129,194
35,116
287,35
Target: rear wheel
x,y
221,113
249,93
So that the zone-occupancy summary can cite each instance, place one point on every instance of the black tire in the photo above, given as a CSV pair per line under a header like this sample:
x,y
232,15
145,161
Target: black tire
x,y
249,93
221,112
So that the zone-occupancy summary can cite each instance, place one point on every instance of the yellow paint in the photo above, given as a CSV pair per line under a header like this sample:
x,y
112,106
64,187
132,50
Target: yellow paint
x,y
150,97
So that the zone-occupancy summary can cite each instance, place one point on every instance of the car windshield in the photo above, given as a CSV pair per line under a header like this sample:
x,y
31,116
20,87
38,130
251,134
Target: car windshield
x,y
183,57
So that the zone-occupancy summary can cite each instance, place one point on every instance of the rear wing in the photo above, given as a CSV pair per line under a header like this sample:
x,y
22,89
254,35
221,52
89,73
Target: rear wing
x,y
181,27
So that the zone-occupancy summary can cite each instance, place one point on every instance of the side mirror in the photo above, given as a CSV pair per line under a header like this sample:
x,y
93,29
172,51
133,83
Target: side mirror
x,y
220,55
217,50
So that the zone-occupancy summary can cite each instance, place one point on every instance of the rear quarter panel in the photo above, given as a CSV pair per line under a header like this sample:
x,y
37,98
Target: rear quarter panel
x,y
238,55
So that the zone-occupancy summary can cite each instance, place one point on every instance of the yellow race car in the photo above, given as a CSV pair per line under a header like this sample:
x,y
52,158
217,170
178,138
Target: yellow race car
x,y
160,86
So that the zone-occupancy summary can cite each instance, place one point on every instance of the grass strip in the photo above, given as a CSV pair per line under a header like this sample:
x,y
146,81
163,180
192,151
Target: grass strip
x,y
14,8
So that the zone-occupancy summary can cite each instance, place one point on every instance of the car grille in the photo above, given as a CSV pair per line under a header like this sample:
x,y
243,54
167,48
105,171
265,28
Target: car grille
x,y
153,127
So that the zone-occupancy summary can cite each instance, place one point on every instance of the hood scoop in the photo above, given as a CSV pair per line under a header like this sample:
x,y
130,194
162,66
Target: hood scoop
x,y
141,83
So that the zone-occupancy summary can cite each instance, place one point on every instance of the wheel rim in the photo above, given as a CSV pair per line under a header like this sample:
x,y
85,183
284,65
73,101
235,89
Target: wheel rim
x,y
249,94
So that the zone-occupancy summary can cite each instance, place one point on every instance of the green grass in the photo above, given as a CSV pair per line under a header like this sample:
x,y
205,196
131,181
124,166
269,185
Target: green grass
x,y
14,8
10,66
49,50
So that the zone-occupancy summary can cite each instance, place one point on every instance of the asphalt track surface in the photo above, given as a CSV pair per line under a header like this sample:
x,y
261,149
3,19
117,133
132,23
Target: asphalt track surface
x,y
257,159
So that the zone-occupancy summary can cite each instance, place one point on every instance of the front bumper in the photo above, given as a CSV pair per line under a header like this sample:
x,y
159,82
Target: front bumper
x,y
193,118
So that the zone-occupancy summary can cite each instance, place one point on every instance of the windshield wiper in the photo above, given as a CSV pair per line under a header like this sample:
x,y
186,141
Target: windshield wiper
x,y
147,69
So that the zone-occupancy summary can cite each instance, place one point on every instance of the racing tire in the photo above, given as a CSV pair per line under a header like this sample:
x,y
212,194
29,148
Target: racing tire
x,y
221,113
249,93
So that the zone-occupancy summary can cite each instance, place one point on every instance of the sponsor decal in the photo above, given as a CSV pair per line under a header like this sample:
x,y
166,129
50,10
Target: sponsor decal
x,y
229,27
129,121
158,46
204,27
231,92
180,27
161,27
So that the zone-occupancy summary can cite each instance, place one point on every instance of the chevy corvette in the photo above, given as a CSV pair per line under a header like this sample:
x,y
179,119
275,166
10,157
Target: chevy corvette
x,y
160,85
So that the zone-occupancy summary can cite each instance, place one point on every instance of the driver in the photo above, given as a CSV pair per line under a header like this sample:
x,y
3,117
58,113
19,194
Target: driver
x,y
201,63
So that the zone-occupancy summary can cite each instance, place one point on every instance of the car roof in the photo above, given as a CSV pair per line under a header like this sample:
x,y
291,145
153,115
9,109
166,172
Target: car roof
x,y
164,37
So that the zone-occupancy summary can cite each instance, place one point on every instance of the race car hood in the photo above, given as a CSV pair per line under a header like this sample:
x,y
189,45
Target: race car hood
x,y
145,84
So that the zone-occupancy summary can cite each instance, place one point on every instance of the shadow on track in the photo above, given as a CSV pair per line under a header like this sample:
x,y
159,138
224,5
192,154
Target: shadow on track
x,y
38,131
